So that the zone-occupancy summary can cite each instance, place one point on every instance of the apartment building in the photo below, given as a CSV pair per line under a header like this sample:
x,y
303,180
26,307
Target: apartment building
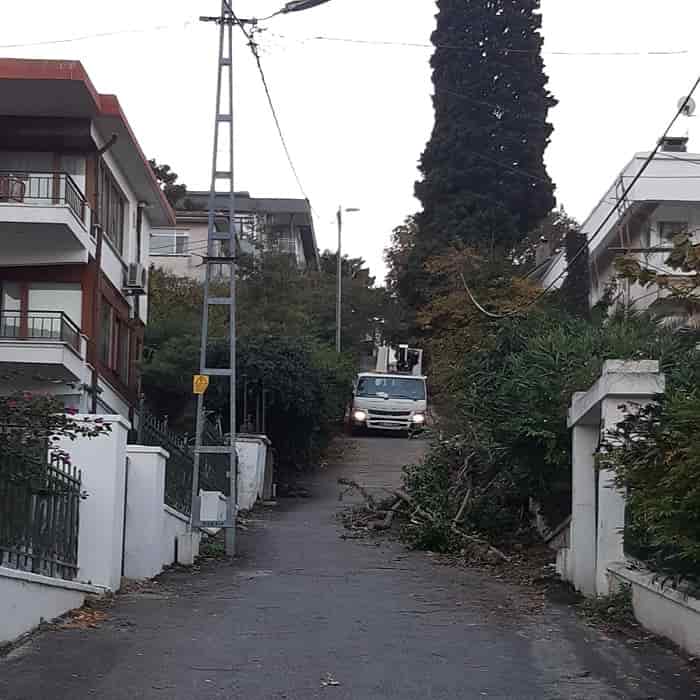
x,y
263,224
78,200
664,202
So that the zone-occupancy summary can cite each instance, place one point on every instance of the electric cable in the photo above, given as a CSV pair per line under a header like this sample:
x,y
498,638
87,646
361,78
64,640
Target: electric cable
x,y
253,45
99,35
482,49
596,233
256,55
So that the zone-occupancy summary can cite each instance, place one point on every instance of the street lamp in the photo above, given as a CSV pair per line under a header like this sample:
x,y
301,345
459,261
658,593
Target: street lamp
x,y
295,6
339,295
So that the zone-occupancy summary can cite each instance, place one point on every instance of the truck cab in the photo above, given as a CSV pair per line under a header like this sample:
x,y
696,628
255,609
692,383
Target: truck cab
x,y
388,401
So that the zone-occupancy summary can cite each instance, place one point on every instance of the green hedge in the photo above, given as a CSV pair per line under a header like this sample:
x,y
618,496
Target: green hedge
x,y
507,439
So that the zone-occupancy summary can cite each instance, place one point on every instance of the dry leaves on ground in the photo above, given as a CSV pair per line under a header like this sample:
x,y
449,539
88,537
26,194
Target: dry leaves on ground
x,y
83,619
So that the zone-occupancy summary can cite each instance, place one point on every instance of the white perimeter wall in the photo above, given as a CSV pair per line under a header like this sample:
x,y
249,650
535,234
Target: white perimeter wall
x,y
102,461
155,533
664,611
27,600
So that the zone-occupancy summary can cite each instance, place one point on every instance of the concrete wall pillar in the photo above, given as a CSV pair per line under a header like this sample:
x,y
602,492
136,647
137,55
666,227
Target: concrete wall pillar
x,y
597,530
611,500
252,461
102,461
144,511
583,513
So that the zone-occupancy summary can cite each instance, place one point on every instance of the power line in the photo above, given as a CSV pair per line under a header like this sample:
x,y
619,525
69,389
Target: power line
x,y
597,232
253,45
482,49
495,107
517,169
256,55
99,35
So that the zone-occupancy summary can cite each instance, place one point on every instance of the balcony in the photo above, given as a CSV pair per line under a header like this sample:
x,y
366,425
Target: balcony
x,y
43,346
44,219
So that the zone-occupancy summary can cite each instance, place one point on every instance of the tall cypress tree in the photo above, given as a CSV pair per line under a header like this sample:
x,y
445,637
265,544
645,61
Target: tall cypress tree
x,y
484,180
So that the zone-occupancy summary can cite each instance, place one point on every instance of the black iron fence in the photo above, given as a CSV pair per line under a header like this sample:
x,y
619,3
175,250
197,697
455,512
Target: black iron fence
x,y
39,517
42,188
39,325
180,465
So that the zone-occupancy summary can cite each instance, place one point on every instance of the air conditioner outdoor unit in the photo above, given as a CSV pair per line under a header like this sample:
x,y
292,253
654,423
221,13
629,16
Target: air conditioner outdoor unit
x,y
136,279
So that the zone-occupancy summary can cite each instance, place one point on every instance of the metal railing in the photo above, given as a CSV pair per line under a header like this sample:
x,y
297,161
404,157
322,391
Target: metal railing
x,y
42,188
39,519
39,325
179,468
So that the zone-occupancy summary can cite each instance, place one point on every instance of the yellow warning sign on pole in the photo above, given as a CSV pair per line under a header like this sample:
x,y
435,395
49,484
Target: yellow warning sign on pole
x,y
200,383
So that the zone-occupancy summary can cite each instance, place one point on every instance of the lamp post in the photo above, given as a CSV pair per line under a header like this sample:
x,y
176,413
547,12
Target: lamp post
x,y
297,5
339,294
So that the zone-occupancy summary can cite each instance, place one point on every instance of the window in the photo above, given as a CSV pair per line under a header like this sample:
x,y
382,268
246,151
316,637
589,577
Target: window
x,y
122,338
392,388
669,229
56,296
174,243
106,333
10,309
115,342
112,209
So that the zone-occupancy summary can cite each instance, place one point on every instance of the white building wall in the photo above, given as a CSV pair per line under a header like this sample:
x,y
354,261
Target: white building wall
x,y
190,263
143,258
603,269
114,263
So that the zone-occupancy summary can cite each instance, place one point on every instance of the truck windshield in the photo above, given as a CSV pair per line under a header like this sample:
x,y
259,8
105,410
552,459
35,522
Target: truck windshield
x,y
392,387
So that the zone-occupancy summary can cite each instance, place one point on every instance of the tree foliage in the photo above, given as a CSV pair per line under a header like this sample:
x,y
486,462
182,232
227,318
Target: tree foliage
x,y
286,332
33,426
484,180
173,191
576,288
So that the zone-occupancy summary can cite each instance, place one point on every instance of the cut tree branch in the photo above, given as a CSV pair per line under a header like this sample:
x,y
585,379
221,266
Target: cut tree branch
x,y
354,486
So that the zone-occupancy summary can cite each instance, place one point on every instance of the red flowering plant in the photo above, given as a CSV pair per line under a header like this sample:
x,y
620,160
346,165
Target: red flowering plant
x,y
32,429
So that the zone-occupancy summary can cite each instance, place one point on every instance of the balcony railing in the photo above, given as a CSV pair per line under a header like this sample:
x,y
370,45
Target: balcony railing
x,y
39,326
43,189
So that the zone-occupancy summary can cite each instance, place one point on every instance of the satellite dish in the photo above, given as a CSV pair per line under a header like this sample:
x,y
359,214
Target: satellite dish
x,y
687,108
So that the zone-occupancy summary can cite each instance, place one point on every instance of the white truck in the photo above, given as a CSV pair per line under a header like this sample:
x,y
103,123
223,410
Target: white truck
x,y
394,397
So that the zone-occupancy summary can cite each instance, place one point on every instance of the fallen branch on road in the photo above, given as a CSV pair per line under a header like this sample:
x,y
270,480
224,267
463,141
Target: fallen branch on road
x,y
417,515
472,539
354,486
389,517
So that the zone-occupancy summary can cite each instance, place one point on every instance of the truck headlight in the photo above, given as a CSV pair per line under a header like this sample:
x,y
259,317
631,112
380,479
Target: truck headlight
x,y
418,418
360,416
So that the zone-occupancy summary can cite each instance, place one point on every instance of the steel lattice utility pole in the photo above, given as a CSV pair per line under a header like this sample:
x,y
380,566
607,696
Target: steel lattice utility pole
x,y
222,249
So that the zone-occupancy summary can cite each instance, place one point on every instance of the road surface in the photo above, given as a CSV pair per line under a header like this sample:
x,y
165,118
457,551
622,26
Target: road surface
x,y
303,614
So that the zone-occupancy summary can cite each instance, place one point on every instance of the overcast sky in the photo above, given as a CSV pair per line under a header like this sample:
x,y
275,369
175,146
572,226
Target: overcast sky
x,y
357,117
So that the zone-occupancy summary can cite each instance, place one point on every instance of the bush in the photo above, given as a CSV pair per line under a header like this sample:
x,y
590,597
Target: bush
x,y
655,453
507,439
307,387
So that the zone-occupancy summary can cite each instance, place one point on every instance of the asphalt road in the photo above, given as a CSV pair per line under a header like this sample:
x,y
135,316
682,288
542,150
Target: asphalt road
x,y
303,614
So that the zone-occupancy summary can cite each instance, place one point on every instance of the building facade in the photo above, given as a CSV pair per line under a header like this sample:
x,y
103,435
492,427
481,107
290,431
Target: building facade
x,y
78,200
664,202
263,224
